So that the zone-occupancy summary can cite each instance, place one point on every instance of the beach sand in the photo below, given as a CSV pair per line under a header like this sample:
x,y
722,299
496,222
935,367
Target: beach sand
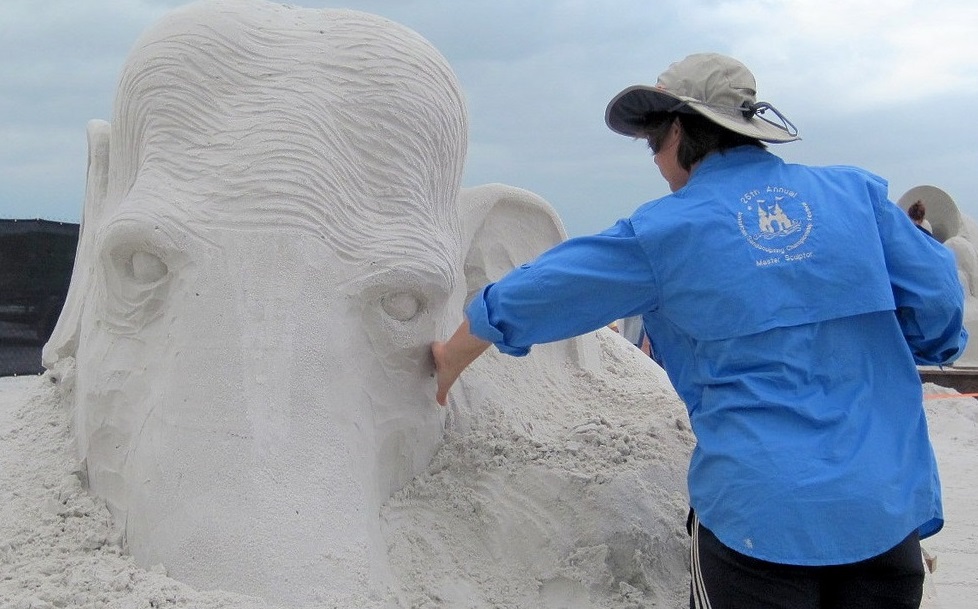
x,y
57,547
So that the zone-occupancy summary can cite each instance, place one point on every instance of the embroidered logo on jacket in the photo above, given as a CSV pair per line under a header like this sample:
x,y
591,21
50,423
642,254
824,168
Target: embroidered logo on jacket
x,y
777,223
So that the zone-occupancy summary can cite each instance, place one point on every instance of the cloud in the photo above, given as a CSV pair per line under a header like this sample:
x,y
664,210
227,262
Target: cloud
x,y
889,87
853,54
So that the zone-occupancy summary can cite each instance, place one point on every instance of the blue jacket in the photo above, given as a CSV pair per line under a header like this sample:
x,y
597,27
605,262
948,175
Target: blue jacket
x,y
788,305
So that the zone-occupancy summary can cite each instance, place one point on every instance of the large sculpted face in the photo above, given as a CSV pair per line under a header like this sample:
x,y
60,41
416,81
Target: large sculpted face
x,y
270,242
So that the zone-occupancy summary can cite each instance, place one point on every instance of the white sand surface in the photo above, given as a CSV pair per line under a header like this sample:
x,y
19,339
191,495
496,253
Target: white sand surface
x,y
954,431
570,496
57,549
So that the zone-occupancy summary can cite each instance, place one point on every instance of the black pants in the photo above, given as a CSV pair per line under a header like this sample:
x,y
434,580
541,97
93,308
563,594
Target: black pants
x,y
725,579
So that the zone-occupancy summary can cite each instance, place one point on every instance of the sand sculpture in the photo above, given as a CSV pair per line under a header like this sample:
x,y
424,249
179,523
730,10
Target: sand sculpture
x,y
959,233
273,234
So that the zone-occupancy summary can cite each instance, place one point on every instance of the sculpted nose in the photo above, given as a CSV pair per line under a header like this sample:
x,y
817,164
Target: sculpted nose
x,y
266,327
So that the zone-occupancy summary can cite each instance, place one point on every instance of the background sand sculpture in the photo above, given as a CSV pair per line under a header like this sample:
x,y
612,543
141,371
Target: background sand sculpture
x,y
959,232
273,233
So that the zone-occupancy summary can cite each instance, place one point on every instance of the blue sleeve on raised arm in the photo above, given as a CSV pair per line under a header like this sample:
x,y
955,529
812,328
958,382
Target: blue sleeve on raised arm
x,y
928,294
576,287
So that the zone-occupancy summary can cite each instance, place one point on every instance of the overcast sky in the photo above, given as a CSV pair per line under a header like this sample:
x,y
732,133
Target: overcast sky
x,y
892,87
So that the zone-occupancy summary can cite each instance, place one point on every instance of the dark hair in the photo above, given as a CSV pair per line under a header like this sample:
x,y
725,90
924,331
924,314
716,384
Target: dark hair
x,y
701,136
656,128
917,211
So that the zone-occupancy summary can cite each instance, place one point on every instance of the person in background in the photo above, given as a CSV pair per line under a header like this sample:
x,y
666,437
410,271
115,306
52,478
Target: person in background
x,y
917,211
789,305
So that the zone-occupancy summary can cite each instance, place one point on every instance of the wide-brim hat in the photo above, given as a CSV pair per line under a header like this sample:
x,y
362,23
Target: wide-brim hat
x,y
716,86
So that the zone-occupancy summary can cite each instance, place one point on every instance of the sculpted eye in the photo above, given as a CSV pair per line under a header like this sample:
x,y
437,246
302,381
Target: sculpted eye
x,y
399,311
139,260
402,306
147,267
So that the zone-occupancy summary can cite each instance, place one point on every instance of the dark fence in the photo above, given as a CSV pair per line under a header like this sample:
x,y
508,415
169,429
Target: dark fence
x,y
36,258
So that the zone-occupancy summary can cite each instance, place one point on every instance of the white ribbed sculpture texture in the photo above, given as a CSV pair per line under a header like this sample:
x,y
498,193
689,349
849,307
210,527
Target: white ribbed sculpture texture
x,y
273,201
273,233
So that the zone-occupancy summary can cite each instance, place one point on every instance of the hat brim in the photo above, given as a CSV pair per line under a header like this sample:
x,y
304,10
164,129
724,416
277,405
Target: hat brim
x,y
627,112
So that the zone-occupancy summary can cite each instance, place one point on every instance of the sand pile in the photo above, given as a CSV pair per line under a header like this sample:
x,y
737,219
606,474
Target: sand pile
x,y
571,496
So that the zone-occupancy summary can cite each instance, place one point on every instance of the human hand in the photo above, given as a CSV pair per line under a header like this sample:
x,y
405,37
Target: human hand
x,y
453,356
444,375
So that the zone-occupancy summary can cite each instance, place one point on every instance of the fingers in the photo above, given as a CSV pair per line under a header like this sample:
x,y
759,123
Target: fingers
x,y
442,376
453,356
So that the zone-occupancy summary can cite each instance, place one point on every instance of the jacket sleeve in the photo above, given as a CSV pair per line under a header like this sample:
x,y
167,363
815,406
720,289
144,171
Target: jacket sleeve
x,y
576,287
928,294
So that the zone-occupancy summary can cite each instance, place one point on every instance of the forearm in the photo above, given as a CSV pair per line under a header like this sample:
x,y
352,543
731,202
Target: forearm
x,y
454,356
